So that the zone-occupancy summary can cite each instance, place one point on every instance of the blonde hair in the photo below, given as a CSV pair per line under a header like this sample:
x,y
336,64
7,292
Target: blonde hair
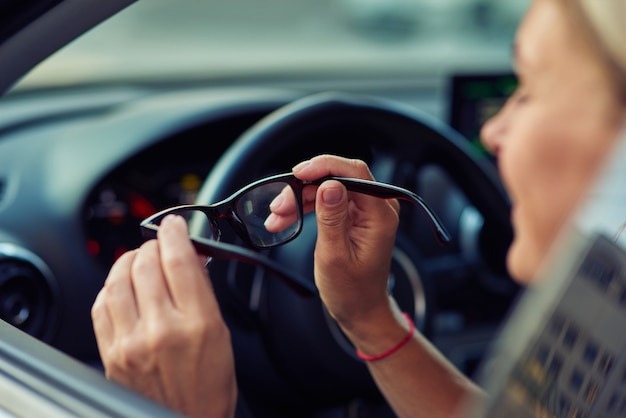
x,y
604,21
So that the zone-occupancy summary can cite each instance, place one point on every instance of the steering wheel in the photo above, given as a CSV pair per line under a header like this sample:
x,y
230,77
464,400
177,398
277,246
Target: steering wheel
x,y
290,355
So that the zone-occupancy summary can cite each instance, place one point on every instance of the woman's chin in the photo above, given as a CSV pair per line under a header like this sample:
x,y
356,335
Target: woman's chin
x,y
521,264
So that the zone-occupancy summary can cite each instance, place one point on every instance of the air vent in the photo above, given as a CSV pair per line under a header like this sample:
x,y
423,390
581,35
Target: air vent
x,y
27,292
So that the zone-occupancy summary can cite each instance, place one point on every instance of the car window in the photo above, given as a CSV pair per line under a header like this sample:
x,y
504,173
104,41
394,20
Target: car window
x,y
162,39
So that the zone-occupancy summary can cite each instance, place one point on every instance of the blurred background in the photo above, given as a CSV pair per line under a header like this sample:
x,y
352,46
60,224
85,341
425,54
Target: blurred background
x,y
161,40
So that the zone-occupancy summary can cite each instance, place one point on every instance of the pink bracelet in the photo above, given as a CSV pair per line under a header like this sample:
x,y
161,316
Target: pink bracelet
x,y
389,352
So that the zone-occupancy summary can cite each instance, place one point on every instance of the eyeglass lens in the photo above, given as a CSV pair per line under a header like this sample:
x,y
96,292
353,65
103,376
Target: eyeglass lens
x,y
251,211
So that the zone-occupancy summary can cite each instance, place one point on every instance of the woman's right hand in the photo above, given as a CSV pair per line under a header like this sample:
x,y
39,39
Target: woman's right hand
x,y
356,235
355,241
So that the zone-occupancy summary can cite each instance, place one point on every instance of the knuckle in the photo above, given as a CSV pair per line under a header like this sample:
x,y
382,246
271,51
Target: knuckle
x,y
202,329
362,168
159,338
323,158
132,354
98,308
175,260
188,332
112,287
115,358
331,218
141,350
149,247
149,251
126,257
131,359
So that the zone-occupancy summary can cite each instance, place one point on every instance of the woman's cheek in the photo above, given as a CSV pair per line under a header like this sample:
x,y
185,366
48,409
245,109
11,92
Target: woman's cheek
x,y
524,172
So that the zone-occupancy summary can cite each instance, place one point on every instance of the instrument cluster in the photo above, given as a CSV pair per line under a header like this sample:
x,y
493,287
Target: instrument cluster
x,y
167,174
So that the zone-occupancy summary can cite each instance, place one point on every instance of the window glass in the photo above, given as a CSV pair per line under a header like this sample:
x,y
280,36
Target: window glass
x,y
161,39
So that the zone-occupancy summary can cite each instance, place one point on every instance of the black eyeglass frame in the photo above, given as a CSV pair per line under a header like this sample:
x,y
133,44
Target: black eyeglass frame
x,y
225,209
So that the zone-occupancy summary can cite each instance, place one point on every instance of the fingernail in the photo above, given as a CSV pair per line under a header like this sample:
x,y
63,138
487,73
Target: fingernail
x,y
269,221
277,202
301,166
170,219
332,196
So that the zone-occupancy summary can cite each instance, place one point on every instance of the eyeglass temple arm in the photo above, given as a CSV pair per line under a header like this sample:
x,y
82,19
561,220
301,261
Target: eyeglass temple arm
x,y
222,250
389,191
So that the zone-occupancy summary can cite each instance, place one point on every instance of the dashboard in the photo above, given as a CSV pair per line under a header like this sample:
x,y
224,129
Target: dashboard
x,y
172,171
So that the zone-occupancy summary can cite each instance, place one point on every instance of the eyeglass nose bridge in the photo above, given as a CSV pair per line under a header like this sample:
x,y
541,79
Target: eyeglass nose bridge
x,y
217,232
230,215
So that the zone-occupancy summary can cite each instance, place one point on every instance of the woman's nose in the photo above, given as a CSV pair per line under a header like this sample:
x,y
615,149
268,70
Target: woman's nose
x,y
492,132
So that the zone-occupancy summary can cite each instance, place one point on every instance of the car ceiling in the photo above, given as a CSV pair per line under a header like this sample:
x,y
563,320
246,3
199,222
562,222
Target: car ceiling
x,y
16,14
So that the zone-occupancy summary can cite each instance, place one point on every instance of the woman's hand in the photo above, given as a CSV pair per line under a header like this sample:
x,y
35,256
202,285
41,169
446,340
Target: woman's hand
x,y
355,240
160,331
356,235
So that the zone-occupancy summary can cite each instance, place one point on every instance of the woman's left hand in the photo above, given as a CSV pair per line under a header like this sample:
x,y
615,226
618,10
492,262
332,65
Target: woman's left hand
x,y
160,331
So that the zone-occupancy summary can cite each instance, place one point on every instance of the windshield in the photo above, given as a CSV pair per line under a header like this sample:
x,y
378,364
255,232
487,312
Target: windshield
x,y
161,40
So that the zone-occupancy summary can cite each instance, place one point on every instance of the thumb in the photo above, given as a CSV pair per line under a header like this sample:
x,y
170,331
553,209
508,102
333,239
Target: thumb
x,y
332,213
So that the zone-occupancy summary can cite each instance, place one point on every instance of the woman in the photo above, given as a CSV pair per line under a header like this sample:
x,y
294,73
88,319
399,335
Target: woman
x,y
157,321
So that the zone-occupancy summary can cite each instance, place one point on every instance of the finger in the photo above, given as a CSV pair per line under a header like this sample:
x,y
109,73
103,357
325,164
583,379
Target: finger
x,y
283,211
276,223
332,220
188,283
285,203
118,295
326,165
331,165
308,203
102,324
340,212
151,288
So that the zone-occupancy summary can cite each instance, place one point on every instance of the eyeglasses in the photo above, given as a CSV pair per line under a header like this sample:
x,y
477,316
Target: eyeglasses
x,y
248,211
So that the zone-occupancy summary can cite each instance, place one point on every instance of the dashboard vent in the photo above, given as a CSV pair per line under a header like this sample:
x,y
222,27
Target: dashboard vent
x,y
27,292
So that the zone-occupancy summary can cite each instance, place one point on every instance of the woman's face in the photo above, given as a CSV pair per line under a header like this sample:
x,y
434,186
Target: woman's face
x,y
553,133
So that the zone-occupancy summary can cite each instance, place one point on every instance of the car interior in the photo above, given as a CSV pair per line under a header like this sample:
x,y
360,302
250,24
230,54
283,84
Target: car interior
x,y
156,107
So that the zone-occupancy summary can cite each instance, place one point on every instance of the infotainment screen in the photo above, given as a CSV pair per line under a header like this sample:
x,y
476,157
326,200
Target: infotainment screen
x,y
474,99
